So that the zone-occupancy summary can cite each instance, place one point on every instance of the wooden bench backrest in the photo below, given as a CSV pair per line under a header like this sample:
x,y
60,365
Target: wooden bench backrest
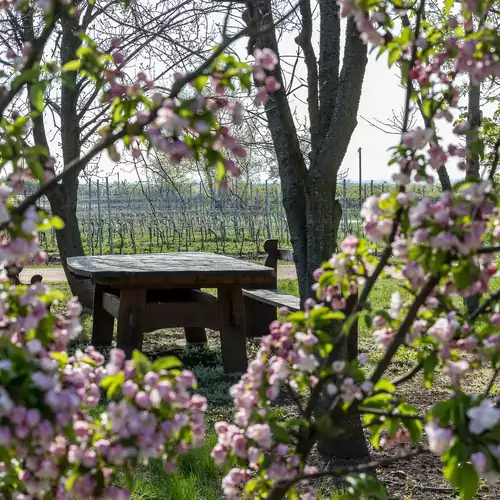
x,y
274,254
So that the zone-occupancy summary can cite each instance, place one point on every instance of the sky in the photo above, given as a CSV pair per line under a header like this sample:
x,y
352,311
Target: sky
x,y
381,96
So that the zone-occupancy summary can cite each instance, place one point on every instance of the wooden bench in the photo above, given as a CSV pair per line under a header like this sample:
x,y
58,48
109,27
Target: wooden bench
x,y
261,304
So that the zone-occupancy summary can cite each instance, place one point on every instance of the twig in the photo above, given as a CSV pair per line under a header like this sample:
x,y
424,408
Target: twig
x,y
484,250
374,464
403,329
388,414
485,305
137,129
408,376
492,382
409,85
36,52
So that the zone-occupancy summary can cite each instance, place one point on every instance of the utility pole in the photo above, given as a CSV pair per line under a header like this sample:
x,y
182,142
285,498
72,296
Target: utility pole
x,y
360,178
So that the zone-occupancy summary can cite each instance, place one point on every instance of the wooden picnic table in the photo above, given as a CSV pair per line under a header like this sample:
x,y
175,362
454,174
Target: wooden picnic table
x,y
153,291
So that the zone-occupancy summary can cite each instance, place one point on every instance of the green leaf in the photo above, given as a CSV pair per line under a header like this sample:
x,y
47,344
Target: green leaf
x,y
57,222
468,482
167,363
414,427
375,431
385,386
280,435
394,55
140,361
71,481
72,65
430,362
448,4
427,107
62,357
37,91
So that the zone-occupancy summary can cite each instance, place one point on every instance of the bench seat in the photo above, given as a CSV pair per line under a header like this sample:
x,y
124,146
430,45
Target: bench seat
x,y
274,298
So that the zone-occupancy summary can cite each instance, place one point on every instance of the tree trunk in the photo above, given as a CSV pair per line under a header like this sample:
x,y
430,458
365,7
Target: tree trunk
x,y
351,442
472,171
63,200
308,187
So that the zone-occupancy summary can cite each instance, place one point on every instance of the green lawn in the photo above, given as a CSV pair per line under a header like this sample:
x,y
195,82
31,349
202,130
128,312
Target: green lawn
x,y
198,477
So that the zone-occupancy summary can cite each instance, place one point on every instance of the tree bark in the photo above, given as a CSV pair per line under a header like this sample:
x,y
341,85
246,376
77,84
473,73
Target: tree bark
x,y
64,197
63,201
351,443
473,161
309,184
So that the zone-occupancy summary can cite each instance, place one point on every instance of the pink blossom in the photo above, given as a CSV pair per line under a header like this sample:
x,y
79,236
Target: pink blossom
x,y
266,58
480,462
272,85
417,139
483,417
443,329
439,438
456,371
350,244
384,337
260,434
378,321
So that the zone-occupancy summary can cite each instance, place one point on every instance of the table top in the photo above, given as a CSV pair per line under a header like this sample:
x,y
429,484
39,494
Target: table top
x,y
184,266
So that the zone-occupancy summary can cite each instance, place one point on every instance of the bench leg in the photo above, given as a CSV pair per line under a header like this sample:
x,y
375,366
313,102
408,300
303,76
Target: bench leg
x,y
103,323
258,317
130,320
232,332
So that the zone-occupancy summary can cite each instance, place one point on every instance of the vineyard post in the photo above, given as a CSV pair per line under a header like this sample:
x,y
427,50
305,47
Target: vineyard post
x,y
360,180
99,227
110,224
345,207
268,214
371,188
91,250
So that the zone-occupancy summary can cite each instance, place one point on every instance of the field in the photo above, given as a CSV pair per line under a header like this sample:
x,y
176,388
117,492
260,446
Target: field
x,y
145,218
199,479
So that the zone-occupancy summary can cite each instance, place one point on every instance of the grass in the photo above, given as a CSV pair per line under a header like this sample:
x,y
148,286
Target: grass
x,y
198,477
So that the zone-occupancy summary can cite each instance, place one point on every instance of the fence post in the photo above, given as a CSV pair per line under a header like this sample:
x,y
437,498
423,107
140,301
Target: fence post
x,y
91,250
371,188
99,228
268,213
345,207
110,224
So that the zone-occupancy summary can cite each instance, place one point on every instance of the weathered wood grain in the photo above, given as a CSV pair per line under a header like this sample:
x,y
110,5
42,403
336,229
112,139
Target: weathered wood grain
x,y
232,329
103,320
168,265
274,298
131,320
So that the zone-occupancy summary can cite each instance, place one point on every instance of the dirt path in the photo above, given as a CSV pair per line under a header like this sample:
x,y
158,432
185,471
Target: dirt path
x,y
54,274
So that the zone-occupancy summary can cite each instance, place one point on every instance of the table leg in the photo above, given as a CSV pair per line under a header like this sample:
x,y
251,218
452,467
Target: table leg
x,y
103,323
232,332
130,320
259,316
195,335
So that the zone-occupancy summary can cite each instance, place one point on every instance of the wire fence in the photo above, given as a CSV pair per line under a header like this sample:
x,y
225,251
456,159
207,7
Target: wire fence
x,y
147,218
